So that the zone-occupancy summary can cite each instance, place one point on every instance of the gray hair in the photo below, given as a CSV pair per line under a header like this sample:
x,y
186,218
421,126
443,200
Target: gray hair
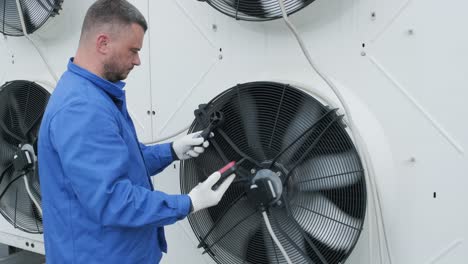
x,y
113,13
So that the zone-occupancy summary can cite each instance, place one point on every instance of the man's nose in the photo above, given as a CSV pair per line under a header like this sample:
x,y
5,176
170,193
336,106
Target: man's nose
x,y
136,60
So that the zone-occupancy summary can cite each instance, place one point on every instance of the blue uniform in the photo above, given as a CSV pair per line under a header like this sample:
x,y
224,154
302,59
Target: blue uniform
x,y
98,202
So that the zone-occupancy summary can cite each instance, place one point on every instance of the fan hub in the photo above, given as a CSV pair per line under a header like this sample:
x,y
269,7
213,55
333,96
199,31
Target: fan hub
x,y
266,188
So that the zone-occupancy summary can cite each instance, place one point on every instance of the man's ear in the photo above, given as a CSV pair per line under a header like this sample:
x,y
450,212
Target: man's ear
x,y
102,43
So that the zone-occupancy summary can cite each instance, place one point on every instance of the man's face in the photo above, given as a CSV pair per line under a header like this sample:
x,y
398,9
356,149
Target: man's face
x,y
124,53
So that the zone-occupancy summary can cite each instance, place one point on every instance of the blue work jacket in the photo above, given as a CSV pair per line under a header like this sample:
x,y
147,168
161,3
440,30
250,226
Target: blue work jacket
x,y
98,202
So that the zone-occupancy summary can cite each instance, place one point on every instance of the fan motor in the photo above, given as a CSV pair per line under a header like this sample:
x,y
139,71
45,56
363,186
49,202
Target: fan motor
x,y
23,160
266,188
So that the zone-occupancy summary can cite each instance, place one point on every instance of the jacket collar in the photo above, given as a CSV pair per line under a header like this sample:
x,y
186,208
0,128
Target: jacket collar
x,y
113,89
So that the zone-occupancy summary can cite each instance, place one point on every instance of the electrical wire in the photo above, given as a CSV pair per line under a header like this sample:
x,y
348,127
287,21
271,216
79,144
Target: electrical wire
x,y
39,51
361,148
26,183
159,140
275,239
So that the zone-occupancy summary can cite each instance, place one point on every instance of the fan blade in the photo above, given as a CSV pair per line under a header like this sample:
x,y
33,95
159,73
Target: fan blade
x,y
244,8
33,185
272,9
250,125
13,116
307,114
235,229
324,221
26,7
7,151
328,172
16,205
289,236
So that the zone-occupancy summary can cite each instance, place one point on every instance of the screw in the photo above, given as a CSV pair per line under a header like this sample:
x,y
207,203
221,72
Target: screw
x,y
278,174
220,56
214,27
410,32
363,53
373,15
253,171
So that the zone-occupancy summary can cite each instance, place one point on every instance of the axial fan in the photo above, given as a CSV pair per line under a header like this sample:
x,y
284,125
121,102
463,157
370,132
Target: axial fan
x,y
35,14
295,161
256,10
22,104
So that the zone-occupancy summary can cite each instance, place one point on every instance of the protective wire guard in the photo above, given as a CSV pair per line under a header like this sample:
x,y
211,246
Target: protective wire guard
x,y
284,129
22,104
256,10
35,13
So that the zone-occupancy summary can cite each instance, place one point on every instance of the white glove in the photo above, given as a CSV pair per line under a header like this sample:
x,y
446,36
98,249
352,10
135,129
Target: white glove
x,y
189,146
203,196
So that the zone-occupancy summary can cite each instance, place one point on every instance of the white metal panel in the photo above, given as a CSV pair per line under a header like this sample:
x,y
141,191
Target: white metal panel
x,y
20,239
193,59
413,159
138,88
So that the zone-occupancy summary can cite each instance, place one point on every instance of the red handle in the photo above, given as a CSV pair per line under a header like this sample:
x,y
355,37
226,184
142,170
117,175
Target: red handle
x,y
227,167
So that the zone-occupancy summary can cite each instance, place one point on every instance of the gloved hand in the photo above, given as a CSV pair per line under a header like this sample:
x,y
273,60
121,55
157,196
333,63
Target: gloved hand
x,y
190,146
203,196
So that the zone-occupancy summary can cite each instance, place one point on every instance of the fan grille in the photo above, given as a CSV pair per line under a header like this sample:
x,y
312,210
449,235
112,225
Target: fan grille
x,y
22,104
324,199
35,13
257,10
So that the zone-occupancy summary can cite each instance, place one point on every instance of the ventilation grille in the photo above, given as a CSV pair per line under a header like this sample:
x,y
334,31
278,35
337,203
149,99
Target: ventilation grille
x,y
257,10
35,13
22,104
280,128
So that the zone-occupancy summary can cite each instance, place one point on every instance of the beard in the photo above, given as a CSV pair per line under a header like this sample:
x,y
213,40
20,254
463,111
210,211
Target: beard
x,y
114,71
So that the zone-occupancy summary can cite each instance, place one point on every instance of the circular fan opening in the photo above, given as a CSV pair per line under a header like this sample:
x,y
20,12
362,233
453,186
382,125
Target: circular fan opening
x,y
22,104
257,10
282,132
35,13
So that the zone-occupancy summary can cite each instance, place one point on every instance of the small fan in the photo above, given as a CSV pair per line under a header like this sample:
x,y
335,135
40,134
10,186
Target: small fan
x,y
296,162
257,10
22,104
35,13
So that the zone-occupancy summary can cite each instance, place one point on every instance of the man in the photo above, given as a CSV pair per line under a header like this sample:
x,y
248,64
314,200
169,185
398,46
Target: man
x,y
99,205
